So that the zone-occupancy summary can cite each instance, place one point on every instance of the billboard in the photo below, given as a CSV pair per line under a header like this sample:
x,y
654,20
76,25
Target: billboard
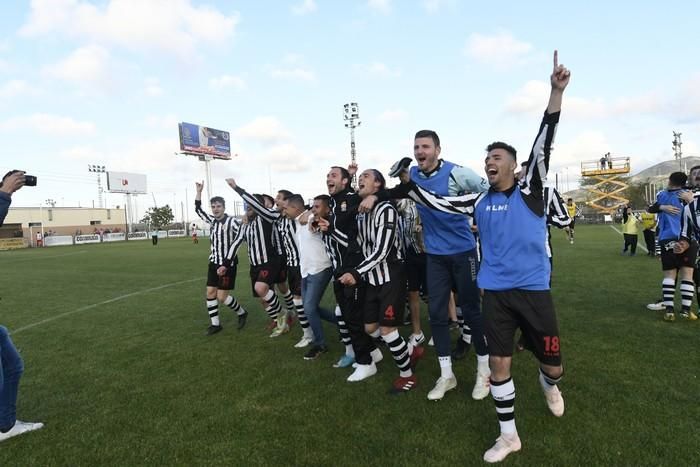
x,y
122,182
197,139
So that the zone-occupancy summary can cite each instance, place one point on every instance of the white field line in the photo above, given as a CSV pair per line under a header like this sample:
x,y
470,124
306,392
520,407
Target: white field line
x,y
19,260
638,245
95,305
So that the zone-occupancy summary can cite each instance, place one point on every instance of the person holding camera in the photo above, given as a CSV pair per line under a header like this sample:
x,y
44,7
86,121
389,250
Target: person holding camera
x,y
12,366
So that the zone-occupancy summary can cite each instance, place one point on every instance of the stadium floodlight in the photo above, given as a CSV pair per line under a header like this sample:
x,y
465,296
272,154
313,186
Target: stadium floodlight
x,y
51,202
352,120
98,169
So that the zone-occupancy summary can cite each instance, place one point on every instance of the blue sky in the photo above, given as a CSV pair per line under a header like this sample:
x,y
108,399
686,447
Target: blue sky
x,y
105,82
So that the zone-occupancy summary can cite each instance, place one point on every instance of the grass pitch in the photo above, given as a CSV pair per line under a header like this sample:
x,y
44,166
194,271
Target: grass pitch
x,y
120,371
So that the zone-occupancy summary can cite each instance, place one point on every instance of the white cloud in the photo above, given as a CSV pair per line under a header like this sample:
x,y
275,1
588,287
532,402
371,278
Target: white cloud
x,y
48,124
686,103
265,130
163,122
173,26
382,6
78,153
86,65
501,50
433,6
585,145
533,96
305,7
392,115
5,66
379,69
152,87
227,81
292,68
15,88
287,158
294,74
682,106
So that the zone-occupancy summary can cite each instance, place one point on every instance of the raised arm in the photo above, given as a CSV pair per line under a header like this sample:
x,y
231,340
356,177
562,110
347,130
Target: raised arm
x,y
538,162
557,214
198,204
269,215
463,204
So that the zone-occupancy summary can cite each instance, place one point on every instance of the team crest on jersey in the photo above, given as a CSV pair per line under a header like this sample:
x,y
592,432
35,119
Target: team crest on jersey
x,y
344,206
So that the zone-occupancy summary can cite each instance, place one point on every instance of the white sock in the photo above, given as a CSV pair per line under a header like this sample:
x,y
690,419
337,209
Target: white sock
x,y
446,367
482,364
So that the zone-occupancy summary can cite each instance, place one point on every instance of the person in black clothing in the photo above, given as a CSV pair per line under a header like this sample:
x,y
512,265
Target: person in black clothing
x,y
340,233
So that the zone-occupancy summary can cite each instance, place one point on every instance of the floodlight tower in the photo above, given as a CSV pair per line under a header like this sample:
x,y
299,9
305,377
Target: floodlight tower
x,y
677,152
98,169
352,121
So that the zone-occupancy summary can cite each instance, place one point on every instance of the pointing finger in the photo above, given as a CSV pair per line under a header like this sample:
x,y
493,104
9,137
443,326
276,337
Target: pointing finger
x,y
556,59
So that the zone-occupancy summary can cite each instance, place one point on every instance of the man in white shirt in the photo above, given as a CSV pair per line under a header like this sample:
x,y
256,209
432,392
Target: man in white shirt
x,y
315,265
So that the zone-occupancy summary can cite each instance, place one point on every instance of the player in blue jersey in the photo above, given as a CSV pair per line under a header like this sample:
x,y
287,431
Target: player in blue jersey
x,y
451,259
675,256
514,271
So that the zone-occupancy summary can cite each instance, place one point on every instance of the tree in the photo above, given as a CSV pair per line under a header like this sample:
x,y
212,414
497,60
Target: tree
x,y
158,217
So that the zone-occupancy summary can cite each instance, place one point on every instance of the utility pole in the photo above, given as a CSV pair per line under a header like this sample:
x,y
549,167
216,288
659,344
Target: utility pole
x,y
352,121
677,152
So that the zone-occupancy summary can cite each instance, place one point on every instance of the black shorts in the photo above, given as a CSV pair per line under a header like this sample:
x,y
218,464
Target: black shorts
x,y
530,310
415,272
225,282
670,260
294,279
385,304
268,273
573,223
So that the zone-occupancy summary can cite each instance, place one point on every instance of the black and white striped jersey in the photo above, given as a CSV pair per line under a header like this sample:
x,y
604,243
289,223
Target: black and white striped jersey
x,y
333,250
258,236
377,236
283,233
557,214
221,234
410,220
690,222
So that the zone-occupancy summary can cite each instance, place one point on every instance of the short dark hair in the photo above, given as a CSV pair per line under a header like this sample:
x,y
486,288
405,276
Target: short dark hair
x,y
325,199
378,175
260,198
428,134
677,179
296,201
268,198
695,167
343,173
217,199
501,145
570,199
285,193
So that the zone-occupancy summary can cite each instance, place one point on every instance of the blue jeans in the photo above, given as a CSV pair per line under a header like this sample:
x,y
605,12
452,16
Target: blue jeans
x,y
10,373
312,288
443,273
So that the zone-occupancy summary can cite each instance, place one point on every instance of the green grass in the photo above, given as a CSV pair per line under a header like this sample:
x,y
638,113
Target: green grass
x,y
136,382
